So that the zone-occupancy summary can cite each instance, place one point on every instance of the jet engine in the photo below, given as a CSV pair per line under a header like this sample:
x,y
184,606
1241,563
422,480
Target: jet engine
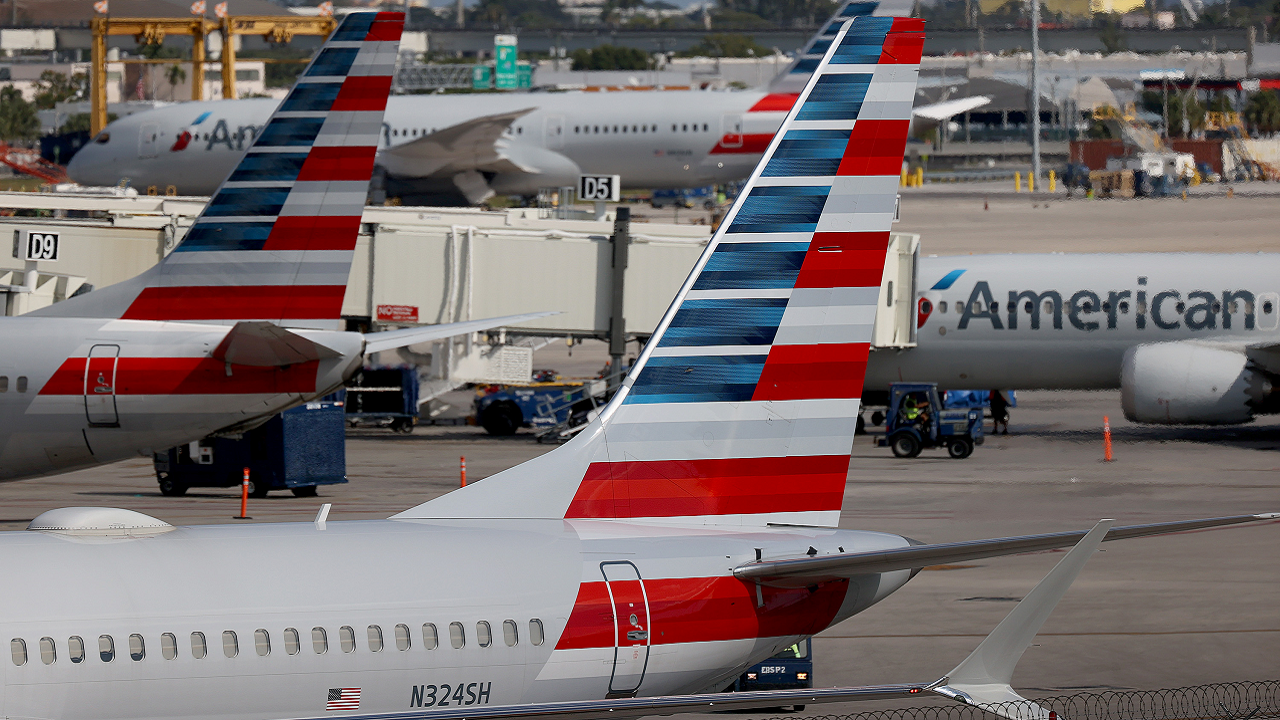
x,y
1191,383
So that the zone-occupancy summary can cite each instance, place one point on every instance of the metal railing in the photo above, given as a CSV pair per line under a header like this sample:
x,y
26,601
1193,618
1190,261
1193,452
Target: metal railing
x,y
1252,700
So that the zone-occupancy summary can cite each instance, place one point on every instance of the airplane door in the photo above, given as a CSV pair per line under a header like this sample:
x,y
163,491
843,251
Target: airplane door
x,y
631,627
731,131
100,386
147,141
555,132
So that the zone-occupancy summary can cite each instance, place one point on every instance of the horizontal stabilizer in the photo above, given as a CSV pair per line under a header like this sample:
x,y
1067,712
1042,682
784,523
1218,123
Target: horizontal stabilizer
x,y
806,571
392,339
264,344
947,109
984,678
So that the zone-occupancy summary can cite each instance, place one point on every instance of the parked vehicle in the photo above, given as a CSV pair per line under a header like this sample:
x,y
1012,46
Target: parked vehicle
x,y
791,669
917,421
384,397
297,450
502,410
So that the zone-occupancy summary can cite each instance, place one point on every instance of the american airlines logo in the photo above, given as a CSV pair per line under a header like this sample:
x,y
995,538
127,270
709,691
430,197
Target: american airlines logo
x,y
1089,310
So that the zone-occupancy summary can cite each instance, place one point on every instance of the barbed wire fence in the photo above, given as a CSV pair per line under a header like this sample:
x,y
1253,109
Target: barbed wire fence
x,y
1253,700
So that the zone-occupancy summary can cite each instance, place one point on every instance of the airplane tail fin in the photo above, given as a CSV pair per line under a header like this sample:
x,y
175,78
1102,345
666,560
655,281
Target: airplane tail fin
x,y
277,238
742,407
792,80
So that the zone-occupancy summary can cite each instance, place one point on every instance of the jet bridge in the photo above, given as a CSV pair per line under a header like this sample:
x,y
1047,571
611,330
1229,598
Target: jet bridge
x,y
417,266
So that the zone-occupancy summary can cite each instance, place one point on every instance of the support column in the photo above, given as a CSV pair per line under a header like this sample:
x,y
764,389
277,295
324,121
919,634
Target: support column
x,y
98,77
197,60
621,241
228,61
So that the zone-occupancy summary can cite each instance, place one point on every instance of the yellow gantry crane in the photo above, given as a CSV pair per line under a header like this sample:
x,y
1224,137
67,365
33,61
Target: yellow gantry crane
x,y
147,31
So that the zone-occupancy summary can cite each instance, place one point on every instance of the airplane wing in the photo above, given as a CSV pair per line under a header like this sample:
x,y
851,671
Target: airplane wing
x,y
808,571
942,111
392,339
457,148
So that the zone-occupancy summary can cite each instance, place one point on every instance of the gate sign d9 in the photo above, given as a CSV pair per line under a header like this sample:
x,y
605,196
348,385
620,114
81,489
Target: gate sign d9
x,y
42,246
599,188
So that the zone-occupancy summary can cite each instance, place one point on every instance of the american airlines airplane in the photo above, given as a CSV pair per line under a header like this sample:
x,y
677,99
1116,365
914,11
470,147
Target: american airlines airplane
x,y
687,532
195,345
1187,337
449,149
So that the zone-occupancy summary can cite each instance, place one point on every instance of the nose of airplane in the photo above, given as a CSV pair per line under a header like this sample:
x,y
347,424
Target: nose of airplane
x,y
94,163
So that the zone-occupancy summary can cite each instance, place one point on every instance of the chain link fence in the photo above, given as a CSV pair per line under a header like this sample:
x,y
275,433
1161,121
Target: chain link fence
x,y
1256,700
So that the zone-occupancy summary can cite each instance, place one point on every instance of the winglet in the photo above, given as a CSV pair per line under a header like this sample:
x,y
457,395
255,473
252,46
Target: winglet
x,y
983,679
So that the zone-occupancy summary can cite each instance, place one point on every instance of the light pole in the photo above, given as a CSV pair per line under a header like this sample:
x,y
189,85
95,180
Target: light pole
x,y
1035,89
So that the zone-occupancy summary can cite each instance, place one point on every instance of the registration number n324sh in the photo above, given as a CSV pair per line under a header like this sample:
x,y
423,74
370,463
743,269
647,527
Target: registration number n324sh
x,y
446,695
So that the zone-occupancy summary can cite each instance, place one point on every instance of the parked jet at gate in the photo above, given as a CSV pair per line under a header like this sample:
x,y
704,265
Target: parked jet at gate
x,y
194,345
1187,337
466,148
686,533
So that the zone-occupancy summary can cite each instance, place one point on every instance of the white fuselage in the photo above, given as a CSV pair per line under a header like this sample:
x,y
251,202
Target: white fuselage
x,y
652,139
684,623
75,392
1098,306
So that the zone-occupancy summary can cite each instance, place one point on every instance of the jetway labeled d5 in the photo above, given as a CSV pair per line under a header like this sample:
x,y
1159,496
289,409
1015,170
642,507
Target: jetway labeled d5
x,y
600,188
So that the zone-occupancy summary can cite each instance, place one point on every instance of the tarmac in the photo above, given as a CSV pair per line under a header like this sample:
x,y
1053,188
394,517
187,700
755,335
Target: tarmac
x,y
1161,612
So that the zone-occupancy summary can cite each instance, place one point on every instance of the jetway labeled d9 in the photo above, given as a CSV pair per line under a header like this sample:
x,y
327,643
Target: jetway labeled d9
x,y
600,188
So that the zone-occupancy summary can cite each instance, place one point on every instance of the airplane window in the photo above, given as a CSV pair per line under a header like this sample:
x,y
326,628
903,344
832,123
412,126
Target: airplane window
x,y
230,643
1182,307
704,127
684,128
1248,308
1142,308
75,649
1266,308
18,649
319,640
292,643
198,647
457,635
106,648
615,128
673,127
375,638
22,379
509,634
137,648
4,383
261,642
575,129
597,129
633,129
402,637
655,128
520,131
536,635
48,653
942,306
1124,306
1027,307
415,132
430,639
624,128
1106,307
347,639
1048,306
484,634
168,646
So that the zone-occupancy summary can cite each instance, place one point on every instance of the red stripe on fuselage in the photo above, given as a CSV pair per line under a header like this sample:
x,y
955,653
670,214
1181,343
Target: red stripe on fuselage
x,y
311,232
338,163
843,259
810,372
680,488
187,376
775,102
875,148
232,302
364,92
684,610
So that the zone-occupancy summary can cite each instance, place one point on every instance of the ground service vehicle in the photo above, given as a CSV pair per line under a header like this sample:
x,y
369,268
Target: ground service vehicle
x,y
916,420
790,669
504,410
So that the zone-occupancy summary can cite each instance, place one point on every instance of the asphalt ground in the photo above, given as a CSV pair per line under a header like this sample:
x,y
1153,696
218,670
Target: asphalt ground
x,y
1160,612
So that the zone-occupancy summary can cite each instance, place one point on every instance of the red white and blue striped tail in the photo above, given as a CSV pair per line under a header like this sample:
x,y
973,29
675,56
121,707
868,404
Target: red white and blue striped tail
x,y
741,409
277,239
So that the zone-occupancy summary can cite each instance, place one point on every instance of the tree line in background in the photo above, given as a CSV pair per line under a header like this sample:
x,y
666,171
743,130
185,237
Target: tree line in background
x,y
18,119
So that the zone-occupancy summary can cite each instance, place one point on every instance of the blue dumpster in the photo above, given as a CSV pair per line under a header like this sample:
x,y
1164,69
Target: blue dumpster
x,y
296,450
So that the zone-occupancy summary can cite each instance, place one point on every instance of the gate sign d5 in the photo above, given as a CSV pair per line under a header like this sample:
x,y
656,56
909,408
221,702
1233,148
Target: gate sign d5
x,y
599,188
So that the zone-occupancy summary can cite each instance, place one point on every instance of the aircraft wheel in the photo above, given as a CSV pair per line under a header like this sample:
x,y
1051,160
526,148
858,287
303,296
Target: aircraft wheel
x,y
257,490
170,488
502,418
877,418
960,449
904,445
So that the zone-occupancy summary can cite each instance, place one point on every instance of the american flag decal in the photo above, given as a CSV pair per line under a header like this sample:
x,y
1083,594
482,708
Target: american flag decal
x,y
343,699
